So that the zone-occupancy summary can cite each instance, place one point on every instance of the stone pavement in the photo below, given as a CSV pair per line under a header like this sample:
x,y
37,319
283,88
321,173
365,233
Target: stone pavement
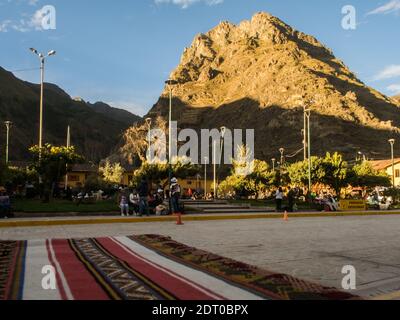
x,y
313,249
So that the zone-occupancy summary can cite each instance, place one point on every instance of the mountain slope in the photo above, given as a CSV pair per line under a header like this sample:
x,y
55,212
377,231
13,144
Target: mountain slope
x,y
254,75
95,129
119,115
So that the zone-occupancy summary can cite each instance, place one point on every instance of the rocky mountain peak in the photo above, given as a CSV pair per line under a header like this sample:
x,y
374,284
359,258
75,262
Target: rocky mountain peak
x,y
257,74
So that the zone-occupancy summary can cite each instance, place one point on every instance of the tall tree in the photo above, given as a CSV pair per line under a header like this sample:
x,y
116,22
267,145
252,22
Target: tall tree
x,y
335,172
136,140
52,163
363,175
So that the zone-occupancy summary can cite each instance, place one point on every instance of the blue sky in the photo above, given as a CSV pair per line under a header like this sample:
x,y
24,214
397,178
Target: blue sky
x,y
121,51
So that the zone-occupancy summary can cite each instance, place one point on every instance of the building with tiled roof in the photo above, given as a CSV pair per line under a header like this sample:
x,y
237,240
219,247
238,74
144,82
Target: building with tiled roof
x,y
387,166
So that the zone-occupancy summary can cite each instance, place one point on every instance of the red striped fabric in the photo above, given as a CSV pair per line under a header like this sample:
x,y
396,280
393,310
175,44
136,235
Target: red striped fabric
x,y
181,288
82,284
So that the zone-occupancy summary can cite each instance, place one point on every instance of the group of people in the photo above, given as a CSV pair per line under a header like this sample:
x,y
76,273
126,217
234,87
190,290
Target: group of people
x,y
142,201
291,197
325,201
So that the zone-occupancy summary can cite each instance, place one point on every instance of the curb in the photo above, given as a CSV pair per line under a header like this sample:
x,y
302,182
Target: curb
x,y
71,222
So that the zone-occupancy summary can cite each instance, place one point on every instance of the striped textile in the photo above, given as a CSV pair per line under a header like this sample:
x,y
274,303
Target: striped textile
x,y
148,267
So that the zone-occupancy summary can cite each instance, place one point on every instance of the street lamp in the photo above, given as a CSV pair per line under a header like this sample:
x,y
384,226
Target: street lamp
x,y
205,177
42,58
392,142
362,156
305,142
282,152
170,83
68,146
307,113
8,126
223,131
148,122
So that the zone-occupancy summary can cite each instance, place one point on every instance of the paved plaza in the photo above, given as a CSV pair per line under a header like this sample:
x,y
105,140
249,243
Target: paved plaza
x,y
314,249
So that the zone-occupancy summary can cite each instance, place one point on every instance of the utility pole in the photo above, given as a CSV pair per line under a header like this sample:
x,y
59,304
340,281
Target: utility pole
x,y
170,83
392,142
42,58
308,115
205,177
8,126
68,145
221,142
215,170
305,144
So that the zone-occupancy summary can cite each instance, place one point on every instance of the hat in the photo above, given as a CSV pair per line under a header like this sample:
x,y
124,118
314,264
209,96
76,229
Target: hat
x,y
174,180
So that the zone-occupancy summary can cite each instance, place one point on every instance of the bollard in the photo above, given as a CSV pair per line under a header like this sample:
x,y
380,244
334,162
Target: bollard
x,y
286,216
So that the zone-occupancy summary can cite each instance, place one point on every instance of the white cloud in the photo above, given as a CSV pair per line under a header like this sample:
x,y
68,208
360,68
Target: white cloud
x,y
395,88
4,25
25,24
389,72
391,6
36,20
186,3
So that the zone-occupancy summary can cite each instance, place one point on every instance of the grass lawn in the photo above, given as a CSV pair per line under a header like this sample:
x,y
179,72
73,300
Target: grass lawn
x,y
57,206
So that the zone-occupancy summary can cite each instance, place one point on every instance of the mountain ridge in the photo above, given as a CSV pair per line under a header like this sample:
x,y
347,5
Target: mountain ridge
x,y
255,75
95,128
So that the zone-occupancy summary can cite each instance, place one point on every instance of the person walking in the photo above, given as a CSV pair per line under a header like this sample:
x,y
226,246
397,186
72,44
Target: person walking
x,y
175,194
279,199
143,192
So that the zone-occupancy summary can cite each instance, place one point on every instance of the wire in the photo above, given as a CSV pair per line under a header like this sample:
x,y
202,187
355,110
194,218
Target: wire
x,y
21,70
294,154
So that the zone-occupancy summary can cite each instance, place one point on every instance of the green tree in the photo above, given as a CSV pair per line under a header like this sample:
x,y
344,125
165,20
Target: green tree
x,y
112,172
52,164
159,171
335,172
298,171
364,175
253,181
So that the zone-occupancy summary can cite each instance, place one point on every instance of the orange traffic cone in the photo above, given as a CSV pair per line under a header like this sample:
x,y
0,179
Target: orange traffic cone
x,y
285,216
179,219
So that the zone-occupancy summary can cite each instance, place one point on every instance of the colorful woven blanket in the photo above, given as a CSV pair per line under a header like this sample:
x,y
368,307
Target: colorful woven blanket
x,y
148,267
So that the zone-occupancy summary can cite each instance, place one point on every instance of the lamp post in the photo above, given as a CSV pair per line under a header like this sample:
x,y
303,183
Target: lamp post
x,y
42,58
392,142
282,152
273,164
308,116
361,157
68,145
305,142
148,122
215,169
8,126
170,84
222,141
223,131
205,177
